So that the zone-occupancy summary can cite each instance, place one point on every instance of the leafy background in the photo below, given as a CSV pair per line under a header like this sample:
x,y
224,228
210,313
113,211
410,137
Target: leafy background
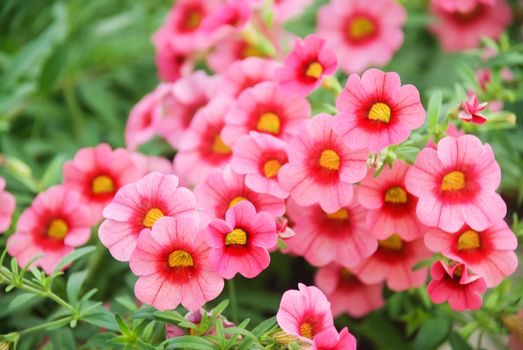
x,y
70,71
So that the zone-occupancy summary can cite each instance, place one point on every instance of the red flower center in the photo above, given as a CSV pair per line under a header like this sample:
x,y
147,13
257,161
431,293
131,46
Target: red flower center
x,y
192,20
361,28
342,214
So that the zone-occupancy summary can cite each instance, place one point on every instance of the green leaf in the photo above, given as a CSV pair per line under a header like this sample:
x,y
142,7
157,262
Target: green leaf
x,y
73,256
220,308
53,172
122,325
432,333
434,109
190,342
74,284
263,327
457,342
20,300
101,318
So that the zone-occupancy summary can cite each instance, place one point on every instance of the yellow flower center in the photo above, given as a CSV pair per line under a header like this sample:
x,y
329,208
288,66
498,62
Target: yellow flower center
x,y
361,28
193,20
219,147
236,237
469,240
269,123
342,214
394,242
453,181
306,330
380,112
271,168
330,160
252,51
151,217
102,184
57,229
396,195
180,258
315,70
236,200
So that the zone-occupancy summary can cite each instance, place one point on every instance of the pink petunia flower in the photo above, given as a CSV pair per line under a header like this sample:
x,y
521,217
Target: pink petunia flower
x,y
462,30
456,184
323,238
462,6
360,33
306,66
6,208
184,24
202,148
56,222
331,340
170,64
287,9
455,285
137,206
393,263
140,127
185,98
240,242
247,73
376,111
347,293
392,209
488,253
259,157
223,189
321,167
305,312
266,108
97,173
471,111
172,264
227,19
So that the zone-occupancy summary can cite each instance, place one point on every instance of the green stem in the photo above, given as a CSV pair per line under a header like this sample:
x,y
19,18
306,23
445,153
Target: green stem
x,y
56,323
234,302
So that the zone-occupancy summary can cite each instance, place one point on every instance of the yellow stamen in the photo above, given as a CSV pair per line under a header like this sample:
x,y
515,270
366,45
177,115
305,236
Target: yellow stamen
x,y
180,258
219,147
102,184
361,28
342,214
271,168
306,330
380,112
315,70
329,159
236,237
57,229
270,123
151,217
396,195
252,51
193,20
453,181
394,242
469,240
236,200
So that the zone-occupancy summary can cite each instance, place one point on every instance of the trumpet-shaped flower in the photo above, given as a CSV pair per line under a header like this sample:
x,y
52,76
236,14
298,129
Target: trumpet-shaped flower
x,y
456,184
321,167
137,206
172,264
305,312
331,340
488,253
56,222
376,111
392,209
240,242
455,285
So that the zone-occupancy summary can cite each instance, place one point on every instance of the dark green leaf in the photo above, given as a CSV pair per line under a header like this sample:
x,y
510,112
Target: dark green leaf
x,y
432,333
